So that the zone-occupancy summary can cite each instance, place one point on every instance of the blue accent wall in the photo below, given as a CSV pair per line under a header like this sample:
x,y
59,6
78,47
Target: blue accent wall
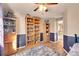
x,y
68,41
65,43
52,37
78,39
71,40
0,50
41,37
21,40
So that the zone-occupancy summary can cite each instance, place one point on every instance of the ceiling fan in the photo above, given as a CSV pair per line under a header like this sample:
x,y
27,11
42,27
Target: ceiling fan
x,y
43,6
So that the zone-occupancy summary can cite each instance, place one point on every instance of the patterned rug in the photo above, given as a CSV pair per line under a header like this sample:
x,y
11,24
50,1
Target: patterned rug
x,y
38,51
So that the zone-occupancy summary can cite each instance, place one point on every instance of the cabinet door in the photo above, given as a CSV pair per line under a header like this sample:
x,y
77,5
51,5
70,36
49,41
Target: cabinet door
x,y
6,49
10,48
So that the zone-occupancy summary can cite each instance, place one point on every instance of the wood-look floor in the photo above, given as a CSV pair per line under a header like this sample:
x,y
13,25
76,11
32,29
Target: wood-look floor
x,y
57,46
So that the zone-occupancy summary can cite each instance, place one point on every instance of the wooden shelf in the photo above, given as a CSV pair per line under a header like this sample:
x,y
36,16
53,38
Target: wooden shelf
x,y
32,27
47,31
9,18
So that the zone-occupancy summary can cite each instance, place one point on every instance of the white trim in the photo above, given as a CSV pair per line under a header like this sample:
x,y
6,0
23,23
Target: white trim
x,y
53,41
22,47
70,34
66,51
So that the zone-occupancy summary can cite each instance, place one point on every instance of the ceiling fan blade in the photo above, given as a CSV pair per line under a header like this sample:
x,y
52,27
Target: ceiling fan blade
x,y
52,3
36,9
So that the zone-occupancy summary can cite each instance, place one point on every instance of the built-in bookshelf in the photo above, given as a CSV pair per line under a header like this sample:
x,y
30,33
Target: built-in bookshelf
x,y
32,28
9,25
47,30
10,41
37,22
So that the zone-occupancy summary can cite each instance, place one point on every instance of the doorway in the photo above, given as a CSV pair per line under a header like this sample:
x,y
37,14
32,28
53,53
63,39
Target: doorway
x,y
60,31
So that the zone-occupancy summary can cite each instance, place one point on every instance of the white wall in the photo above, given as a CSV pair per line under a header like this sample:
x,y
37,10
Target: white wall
x,y
21,23
22,26
1,32
72,20
42,26
52,25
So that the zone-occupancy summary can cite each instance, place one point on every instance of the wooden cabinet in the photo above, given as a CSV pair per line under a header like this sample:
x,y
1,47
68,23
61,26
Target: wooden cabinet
x,y
10,44
8,48
10,37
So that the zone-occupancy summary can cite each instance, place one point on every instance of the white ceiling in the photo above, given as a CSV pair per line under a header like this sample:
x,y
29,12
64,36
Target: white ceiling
x,y
24,8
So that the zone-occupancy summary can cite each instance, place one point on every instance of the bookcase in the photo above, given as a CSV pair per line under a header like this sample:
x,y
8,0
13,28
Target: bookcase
x,y
10,41
37,35
47,30
9,25
32,23
30,29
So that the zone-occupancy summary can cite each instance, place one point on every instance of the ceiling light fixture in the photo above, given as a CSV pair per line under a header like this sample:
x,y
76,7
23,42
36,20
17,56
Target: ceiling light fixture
x,y
42,7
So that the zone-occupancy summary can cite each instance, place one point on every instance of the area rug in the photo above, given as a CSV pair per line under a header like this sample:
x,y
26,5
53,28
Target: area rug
x,y
38,51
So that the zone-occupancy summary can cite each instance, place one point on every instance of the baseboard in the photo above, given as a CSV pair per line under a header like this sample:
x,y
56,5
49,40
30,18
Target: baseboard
x,y
21,47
